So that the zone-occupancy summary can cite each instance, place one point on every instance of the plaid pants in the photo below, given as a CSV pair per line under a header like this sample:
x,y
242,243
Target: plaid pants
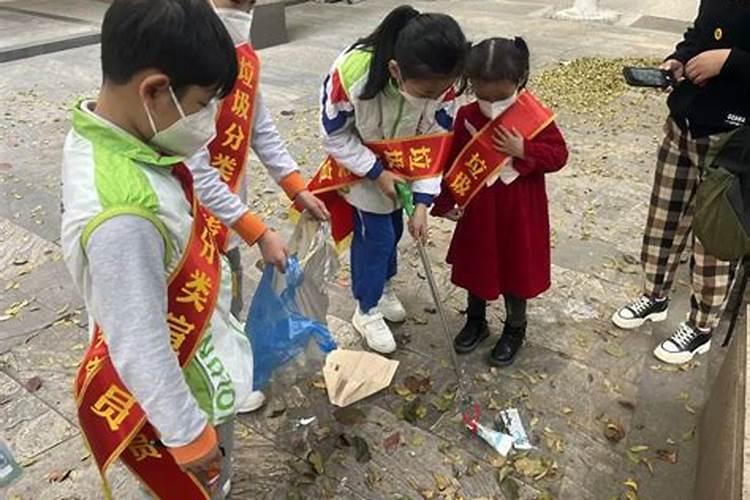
x,y
679,168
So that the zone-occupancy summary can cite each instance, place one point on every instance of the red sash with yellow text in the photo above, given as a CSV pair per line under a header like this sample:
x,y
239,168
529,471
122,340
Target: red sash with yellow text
x,y
230,149
113,424
479,161
413,158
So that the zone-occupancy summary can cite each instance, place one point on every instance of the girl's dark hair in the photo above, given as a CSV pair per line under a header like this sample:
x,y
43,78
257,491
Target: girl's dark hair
x,y
499,59
423,45
185,39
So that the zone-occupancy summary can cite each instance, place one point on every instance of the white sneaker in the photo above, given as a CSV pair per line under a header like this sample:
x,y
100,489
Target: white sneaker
x,y
373,328
250,403
391,307
683,345
643,309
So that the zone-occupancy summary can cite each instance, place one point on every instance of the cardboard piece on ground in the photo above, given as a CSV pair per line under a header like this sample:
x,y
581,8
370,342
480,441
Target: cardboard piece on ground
x,y
351,376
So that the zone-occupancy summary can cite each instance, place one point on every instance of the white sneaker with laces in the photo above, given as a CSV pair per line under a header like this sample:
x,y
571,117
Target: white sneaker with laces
x,y
373,328
686,343
390,305
250,403
643,309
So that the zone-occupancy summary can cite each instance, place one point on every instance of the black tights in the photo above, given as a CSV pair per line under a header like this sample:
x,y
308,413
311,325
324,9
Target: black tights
x,y
515,309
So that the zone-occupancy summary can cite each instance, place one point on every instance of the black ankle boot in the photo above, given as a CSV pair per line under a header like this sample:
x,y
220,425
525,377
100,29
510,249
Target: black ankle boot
x,y
471,335
508,346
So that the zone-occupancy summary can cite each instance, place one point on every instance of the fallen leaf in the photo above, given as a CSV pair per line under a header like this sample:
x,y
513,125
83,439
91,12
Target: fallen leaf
x,y
645,461
567,411
349,415
417,441
633,457
444,402
33,384
632,484
615,351
669,456
689,435
628,405
614,431
683,396
414,411
529,467
671,442
427,494
319,383
316,462
59,476
392,442
442,481
361,450
418,384
14,310
402,391
639,448
474,469
689,409
277,409
372,478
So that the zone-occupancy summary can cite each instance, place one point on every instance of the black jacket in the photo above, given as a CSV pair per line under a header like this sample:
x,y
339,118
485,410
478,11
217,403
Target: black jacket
x,y
724,102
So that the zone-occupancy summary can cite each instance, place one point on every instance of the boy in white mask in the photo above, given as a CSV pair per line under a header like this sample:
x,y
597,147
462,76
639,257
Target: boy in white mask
x,y
501,245
152,389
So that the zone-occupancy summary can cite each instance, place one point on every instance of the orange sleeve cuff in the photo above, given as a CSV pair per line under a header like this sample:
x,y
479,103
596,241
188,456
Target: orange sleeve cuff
x,y
293,184
250,227
199,448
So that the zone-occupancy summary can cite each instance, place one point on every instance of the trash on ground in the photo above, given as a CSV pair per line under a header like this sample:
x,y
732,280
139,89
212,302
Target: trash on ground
x,y
511,422
354,375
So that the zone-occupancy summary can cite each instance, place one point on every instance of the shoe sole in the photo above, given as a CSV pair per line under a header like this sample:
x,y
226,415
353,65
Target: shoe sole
x,y
502,364
364,337
398,319
473,347
631,324
671,358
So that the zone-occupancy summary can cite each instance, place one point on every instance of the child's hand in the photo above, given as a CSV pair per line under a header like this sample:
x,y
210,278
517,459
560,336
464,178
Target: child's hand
x,y
510,143
454,214
312,204
418,223
273,249
387,184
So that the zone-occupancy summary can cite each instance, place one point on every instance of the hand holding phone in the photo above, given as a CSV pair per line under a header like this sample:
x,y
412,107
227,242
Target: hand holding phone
x,y
648,77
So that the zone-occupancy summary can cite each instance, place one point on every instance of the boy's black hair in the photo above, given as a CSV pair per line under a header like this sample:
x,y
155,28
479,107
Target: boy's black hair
x,y
499,59
423,45
185,39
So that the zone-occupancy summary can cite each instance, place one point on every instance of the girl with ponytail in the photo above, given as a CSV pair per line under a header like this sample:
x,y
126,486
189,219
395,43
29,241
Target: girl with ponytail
x,y
501,244
396,83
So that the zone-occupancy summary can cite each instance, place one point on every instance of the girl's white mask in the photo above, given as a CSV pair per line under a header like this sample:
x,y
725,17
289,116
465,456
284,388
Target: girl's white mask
x,y
494,109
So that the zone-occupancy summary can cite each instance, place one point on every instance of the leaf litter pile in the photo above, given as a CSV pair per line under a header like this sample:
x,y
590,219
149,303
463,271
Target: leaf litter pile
x,y
584,86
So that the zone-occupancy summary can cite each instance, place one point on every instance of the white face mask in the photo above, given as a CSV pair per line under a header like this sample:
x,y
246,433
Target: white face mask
x,y
494,109
189,134
238,24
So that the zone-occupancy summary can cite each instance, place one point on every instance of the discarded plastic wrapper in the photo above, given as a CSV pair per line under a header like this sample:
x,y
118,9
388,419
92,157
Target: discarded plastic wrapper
x,y
501,442
9,469
351,376
511,420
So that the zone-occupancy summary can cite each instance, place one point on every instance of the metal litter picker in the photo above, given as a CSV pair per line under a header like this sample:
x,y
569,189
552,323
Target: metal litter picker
x,y
469,408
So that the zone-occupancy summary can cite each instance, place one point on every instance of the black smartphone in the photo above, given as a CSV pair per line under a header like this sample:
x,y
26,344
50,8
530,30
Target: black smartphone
x,y
648,77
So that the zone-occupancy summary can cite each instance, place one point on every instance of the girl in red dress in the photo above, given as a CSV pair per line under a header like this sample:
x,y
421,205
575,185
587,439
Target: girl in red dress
x,y
501,244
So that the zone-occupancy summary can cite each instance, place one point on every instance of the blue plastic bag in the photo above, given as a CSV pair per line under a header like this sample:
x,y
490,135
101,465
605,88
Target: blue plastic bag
x,y
277,330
